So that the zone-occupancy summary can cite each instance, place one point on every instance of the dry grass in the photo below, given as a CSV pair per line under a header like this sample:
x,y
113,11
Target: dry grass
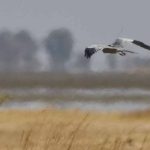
x,y
52,129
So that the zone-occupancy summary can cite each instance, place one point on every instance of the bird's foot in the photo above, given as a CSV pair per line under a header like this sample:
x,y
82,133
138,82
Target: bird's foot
x,y
122,53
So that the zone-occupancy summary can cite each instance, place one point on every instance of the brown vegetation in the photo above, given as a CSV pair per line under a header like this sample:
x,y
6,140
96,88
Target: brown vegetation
x,y
51,129
93,80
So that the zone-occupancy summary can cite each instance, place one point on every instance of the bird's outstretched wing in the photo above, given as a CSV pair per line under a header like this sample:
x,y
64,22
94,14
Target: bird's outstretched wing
x,y
89,51
120,42
141,44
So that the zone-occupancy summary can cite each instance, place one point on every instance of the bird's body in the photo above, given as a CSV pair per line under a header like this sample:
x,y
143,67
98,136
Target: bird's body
x,y
118,47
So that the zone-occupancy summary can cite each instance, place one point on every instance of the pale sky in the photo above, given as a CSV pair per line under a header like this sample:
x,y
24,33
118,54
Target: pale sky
x,y
91,21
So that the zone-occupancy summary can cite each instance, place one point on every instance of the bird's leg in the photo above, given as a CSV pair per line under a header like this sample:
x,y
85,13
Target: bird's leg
x,y
122,53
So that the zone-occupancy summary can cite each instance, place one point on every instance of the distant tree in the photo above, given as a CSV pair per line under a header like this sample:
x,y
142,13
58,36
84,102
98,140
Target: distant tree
x,y
59,45
112,62
82,64
140,62
7,51
27,48
17,51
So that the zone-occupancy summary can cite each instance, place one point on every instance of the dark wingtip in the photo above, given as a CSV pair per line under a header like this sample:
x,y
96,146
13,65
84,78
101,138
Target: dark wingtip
x,y
89,52
141,44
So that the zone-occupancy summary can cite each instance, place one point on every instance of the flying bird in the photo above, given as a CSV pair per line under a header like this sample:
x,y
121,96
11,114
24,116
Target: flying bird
x,y
118,47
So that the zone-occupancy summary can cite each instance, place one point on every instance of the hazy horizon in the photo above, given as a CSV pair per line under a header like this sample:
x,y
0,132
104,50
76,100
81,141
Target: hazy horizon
x,y
96,21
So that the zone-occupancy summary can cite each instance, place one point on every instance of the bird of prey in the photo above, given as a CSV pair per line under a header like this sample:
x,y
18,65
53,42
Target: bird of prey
x,y
118,47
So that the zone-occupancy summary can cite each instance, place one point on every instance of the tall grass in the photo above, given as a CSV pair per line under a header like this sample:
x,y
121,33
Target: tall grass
x,y
72,130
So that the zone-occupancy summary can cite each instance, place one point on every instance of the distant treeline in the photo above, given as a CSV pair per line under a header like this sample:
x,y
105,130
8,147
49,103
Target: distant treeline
x,y
22,52
104,80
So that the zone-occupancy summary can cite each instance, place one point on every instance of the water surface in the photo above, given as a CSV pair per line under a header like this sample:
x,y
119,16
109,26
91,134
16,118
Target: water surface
x,y
110,99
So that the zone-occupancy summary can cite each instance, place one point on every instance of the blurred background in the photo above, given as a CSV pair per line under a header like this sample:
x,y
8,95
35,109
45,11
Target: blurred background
x,y
52,97
51,35
42,48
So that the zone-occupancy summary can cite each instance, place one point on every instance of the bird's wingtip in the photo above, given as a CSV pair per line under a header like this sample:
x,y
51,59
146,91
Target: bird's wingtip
x,y
89,52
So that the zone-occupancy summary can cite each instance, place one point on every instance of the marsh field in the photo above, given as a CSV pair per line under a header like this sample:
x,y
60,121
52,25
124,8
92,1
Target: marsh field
x,y
45,111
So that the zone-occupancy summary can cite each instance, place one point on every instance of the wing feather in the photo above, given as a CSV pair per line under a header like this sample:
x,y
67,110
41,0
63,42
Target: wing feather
x,y
121,42
89,52
141,44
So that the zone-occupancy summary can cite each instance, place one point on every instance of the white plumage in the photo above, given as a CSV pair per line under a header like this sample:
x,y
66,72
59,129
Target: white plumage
x,y
118,47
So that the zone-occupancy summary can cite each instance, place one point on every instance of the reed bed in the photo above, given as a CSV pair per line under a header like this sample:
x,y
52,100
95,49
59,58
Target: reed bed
x,y
54,129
